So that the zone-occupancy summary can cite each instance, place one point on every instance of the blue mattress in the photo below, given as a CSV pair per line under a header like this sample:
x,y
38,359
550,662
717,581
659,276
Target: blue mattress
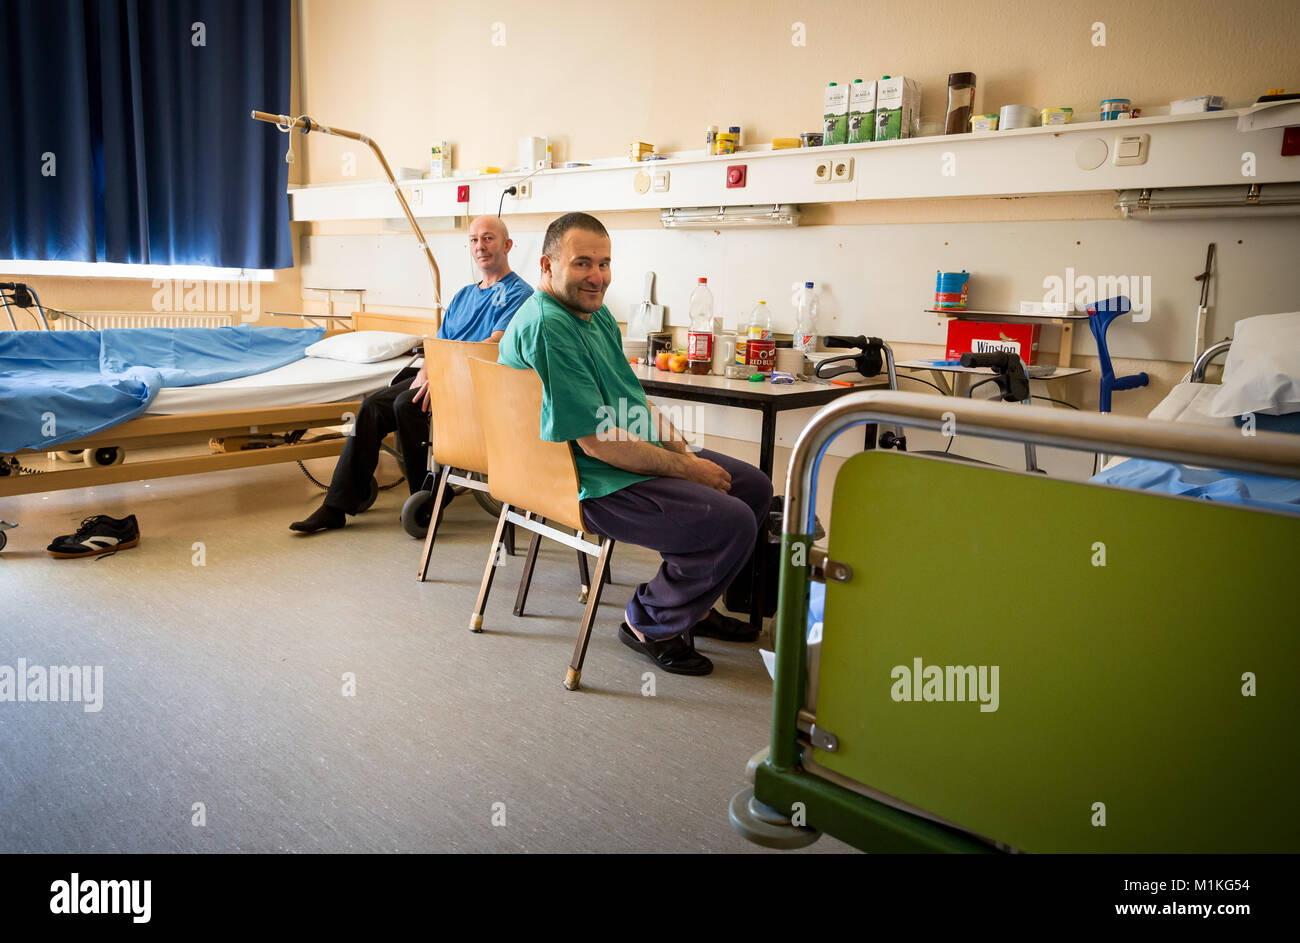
x,y
59,386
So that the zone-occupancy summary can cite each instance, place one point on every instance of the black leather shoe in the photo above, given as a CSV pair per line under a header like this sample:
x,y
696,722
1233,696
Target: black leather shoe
x,y
716,625
673,655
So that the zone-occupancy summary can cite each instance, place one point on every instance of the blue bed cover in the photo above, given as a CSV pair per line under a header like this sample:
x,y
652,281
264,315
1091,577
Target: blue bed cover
x,y
1256,491
59,386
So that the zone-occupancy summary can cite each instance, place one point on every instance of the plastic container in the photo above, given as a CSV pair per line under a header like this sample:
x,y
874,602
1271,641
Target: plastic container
x,y
1012,117
984,123
1050,116
699,341
805,322
961,102
727,141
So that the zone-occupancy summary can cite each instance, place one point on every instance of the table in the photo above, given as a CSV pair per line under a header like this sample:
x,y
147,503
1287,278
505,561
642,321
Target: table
x,y
766,397
769,399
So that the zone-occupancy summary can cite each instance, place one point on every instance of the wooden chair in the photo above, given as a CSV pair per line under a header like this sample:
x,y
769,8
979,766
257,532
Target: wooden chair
x,y
457,428
537,485
457,443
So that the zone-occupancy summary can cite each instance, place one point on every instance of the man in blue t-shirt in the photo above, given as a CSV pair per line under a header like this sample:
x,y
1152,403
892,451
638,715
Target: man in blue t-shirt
x,y
479,312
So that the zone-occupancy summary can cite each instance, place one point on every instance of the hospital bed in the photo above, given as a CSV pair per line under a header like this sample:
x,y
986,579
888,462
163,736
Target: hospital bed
x,y
1088,668
262,419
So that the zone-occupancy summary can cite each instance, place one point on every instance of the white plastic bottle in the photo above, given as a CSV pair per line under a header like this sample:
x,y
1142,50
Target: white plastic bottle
x,y
805,326
699,342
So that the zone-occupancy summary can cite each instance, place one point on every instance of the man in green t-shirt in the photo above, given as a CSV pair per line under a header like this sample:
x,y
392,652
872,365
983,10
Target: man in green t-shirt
x,y
639,482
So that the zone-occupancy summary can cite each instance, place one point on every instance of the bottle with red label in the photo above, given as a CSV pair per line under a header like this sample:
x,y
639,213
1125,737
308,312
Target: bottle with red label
x,y
699,342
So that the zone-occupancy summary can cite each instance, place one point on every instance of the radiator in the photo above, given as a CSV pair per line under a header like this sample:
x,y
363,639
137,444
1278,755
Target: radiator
x,y
101,320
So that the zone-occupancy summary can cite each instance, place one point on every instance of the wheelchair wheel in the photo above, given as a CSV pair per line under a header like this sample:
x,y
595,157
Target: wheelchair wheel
x,y
484,499
108,455
368,503
3,540
417,514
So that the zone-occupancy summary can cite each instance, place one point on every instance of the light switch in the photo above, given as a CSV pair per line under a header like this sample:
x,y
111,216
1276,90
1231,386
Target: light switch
x,y
1131,149
661,182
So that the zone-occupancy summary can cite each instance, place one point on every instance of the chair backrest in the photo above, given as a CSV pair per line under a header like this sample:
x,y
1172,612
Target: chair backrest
x,y
524,470
457,435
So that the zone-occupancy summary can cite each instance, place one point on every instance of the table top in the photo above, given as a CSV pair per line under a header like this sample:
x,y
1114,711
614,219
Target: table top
x,y
988,371
708,388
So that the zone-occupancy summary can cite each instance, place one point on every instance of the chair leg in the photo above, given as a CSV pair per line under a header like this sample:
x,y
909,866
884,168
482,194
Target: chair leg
x,y
510,539
476,618
574,675
584,577
526,580
433,524
609,567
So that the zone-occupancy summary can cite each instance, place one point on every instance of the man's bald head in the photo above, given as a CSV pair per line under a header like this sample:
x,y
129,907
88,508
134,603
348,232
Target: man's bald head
x,y
489,247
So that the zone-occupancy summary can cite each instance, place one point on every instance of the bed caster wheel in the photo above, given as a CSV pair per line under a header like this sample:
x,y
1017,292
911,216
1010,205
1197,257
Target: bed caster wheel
x,y
3,540
109,455
70,455
765,826
417,514
368,503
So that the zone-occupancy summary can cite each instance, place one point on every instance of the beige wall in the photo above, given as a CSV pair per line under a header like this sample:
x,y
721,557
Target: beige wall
x,y
595,75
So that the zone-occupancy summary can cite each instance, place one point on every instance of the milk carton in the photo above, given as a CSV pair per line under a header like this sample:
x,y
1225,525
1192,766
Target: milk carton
x,y
440,159
835,114
862,111
898,108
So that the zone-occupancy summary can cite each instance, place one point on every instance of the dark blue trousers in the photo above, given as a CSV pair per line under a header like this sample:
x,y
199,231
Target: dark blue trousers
x,y
704,536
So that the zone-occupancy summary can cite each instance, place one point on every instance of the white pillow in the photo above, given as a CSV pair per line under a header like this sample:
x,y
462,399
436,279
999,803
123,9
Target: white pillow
x,y
364,346
1262,372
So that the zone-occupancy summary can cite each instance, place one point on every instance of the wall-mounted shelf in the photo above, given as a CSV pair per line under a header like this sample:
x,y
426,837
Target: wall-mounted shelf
x,y
1204,149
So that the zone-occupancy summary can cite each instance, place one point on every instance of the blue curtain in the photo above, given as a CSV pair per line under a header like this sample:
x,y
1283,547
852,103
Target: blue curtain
x,y
125,133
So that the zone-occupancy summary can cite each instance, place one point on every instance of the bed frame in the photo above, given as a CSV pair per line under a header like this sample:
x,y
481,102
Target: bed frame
x,y
1144,644
197,428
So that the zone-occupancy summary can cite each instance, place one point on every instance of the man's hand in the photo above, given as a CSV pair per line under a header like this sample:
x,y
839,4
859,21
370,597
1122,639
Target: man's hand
x,y
710,474
421,387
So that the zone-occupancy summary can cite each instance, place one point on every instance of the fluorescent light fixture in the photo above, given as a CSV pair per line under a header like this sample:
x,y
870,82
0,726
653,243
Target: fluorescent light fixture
x,y
127,270
1269,199
731,217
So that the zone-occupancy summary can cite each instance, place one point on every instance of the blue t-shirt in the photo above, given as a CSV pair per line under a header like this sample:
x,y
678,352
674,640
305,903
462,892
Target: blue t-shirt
x,y
475,313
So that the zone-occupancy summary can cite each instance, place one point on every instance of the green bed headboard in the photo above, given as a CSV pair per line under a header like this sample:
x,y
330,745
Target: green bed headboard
x,y
1145,650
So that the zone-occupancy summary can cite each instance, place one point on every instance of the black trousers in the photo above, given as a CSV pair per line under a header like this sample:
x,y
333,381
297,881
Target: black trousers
x,y
389,410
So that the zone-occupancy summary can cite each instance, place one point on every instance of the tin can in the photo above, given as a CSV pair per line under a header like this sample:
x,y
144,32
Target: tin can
x,y
1114,108
726,142
762,354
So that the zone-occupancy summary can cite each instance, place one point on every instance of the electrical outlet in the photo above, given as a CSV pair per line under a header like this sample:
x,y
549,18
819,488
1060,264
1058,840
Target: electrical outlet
x,y
523,191
822,172
842,169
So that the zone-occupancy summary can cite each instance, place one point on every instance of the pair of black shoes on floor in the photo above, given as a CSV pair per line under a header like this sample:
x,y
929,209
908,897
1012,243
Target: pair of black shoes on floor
x,y
677,655
97,535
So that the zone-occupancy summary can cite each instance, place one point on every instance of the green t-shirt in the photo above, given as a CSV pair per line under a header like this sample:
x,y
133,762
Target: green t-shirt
x,y
588,385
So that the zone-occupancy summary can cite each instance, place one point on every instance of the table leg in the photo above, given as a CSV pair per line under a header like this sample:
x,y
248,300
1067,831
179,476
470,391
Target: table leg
x,y
758,585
